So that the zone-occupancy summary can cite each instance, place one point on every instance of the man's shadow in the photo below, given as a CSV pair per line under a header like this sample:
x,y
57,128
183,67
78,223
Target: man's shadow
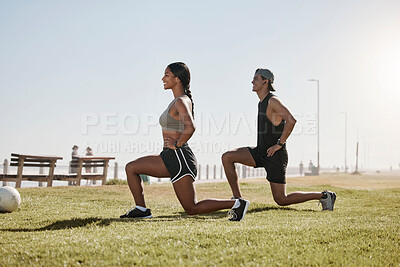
x,y
268,208
98,221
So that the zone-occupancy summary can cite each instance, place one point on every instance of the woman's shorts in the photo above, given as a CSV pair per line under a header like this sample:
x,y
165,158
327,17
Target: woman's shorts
x,y
179,162
274,165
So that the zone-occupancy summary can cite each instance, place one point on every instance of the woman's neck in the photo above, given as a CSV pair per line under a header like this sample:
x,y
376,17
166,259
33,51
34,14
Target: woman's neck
x,y
178,91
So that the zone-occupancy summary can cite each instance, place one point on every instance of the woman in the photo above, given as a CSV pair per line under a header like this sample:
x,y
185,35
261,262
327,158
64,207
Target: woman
x,y
177,159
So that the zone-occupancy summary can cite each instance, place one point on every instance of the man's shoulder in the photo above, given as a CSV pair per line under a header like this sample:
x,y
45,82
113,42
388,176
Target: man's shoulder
x,y
274,100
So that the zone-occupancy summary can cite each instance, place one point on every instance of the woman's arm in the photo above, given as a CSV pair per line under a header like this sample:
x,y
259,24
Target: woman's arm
x,y
185,116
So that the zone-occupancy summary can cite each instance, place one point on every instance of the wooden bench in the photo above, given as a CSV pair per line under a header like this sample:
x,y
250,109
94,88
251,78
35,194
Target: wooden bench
x,y
22,161
79,163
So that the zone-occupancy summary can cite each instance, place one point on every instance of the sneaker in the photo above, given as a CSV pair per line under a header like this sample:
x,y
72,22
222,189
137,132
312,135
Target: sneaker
x,y
136,213
238,213
328,202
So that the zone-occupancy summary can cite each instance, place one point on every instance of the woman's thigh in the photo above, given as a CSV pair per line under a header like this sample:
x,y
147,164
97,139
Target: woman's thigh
x,y
185,191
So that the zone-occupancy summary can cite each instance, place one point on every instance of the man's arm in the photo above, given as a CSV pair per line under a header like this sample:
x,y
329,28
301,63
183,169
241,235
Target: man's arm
x,y
279,109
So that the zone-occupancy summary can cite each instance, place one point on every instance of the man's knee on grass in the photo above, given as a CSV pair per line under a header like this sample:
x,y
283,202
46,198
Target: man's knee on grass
x,y
191,209
281,200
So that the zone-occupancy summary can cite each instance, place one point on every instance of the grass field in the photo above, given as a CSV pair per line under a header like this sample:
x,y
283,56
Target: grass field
x,y
81,226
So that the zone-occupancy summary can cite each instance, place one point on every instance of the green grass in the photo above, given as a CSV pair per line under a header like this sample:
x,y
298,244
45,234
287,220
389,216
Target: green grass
x,y
81,226
116,181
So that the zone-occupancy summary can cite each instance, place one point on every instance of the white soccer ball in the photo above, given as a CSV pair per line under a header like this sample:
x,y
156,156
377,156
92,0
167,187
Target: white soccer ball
x,y
9,199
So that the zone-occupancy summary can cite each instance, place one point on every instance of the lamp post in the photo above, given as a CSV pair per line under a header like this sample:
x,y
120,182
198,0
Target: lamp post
x,y
356,171
315,80
365,155
345,141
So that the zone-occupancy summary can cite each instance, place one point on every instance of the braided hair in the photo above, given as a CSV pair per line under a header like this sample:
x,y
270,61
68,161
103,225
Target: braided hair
x,y
180,70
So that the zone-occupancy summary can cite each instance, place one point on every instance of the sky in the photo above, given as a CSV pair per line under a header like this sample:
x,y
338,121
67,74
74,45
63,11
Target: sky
x,y
89,73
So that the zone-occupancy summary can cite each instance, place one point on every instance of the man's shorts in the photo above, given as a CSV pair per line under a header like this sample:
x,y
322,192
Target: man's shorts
x,y
274,165
179,162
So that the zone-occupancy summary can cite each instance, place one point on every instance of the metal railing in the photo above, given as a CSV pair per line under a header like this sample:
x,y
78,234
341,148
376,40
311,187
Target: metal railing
x,y
205,172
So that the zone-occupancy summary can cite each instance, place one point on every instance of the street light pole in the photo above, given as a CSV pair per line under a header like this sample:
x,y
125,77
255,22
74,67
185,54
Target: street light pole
x,y
345,141
356,171
315,80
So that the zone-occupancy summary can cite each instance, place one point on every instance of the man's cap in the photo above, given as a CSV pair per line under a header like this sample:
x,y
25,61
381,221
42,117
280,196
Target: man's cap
x,y
267,74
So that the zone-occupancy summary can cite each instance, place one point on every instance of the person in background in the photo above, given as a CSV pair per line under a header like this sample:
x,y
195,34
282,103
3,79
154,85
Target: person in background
x,y
301,168
88,167
310,166
72,169
89,153
74,153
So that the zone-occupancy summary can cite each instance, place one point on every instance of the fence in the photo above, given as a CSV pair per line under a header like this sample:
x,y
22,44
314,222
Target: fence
x,y
205,172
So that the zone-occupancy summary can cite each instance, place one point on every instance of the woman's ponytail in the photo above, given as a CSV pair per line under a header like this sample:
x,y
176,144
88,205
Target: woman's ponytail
x,y
180,70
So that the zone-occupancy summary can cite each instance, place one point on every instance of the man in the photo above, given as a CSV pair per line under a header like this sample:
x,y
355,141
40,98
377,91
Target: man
x,y
301,167
274,125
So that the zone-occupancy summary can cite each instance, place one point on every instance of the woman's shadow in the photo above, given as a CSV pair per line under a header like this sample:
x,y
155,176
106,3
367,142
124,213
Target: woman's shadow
x,y
86,222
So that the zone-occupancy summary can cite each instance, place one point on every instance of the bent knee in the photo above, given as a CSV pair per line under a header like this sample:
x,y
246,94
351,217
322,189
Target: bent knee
x,y
227,157
281,201
192,210
130,167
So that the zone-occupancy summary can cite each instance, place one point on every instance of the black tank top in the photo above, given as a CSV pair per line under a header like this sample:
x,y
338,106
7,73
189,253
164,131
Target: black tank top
x,y
267,133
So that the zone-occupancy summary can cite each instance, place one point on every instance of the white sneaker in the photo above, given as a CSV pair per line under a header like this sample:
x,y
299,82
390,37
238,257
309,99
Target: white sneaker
x,y
329,202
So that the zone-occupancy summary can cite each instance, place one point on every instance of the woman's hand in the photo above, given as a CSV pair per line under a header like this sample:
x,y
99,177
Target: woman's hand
x,y
169,142
271,151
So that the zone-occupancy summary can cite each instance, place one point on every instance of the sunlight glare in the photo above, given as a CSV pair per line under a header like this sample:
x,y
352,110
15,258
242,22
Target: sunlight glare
x,y
388,71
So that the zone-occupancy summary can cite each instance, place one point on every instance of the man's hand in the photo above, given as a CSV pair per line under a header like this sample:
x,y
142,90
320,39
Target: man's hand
x,y
271,151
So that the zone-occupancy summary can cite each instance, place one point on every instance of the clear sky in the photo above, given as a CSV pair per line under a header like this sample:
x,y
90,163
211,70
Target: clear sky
x,y
89,73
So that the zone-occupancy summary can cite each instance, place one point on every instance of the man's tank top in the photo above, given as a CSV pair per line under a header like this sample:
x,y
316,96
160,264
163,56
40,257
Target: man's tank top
x,y
267,133
168,123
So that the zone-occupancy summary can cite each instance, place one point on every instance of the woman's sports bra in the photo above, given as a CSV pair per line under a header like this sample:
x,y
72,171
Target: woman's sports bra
x,y
168,123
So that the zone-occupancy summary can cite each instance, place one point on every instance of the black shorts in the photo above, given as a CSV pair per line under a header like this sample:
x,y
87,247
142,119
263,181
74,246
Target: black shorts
x,y
179,162
274,165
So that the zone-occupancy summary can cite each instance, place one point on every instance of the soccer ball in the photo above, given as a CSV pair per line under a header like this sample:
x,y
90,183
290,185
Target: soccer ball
x,y
9,199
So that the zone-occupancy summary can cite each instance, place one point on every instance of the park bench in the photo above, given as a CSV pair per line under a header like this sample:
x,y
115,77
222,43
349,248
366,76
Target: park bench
x,y
78,163
40,162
